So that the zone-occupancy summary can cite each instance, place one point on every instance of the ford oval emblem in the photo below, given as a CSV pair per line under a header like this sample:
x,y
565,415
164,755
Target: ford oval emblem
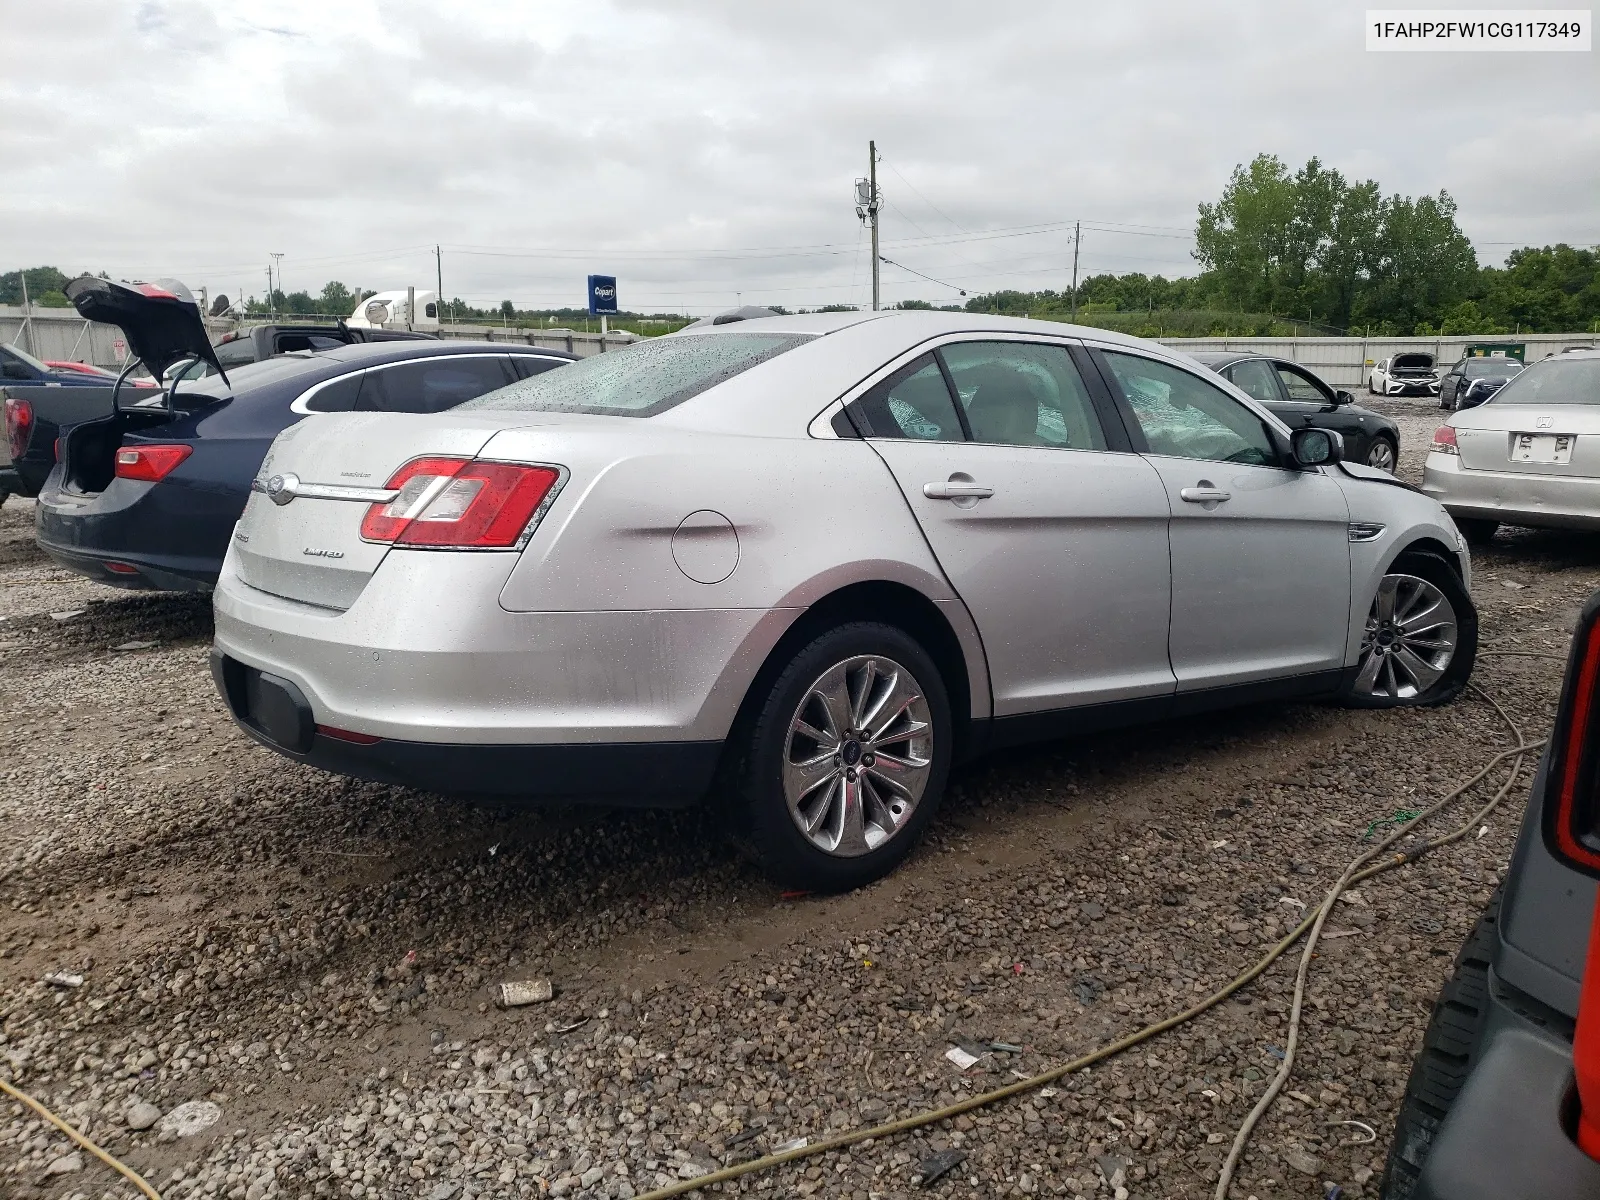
x,y
282,488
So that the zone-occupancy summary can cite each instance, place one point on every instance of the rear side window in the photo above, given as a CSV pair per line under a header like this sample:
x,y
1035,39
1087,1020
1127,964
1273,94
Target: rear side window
x,y
429,385
236,353
913,403
528,365
646,378
1019,394
338,396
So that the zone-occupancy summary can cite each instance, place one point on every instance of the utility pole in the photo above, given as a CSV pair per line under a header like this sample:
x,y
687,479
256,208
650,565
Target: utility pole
x,y
438,280
278,260
272,305
1077,230
872,210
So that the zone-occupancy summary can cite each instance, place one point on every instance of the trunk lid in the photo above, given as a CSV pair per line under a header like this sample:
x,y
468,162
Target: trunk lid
x,y
1491,438
161,320
310,548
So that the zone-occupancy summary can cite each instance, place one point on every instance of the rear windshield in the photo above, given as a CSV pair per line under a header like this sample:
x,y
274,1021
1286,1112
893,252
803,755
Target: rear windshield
x,y
1554,381
1482,368
646,378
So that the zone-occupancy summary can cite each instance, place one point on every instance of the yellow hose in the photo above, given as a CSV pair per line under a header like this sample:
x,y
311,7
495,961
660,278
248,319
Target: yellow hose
x,y
121,1168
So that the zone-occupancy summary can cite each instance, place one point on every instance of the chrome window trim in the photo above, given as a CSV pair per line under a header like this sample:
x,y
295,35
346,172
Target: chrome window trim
x,y
301,402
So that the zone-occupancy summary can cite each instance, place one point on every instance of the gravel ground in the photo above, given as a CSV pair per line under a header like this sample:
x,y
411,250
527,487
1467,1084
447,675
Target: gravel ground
x,y
318,958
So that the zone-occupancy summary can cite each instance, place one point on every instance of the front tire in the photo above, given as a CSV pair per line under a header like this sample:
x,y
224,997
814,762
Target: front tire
x,y
847,758
1383,454
1421,638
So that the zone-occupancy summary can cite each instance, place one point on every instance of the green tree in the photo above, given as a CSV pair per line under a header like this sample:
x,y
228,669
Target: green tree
x,y
336,299
44,287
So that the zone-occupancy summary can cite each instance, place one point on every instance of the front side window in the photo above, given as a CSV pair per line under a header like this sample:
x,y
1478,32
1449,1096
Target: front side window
x,y
1554,381
1300,387
1183,416
646,378
1021,394
1254,378
913,403
429,385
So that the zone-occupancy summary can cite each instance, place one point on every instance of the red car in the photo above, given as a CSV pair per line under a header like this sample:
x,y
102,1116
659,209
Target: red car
x,y
91,369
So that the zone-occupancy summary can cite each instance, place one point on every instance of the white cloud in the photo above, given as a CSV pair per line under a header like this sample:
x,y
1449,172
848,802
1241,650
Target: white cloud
x,y
676,145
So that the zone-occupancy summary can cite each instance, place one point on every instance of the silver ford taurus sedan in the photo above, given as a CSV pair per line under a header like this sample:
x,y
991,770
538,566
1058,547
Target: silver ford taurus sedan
x,y
807,563
1529,455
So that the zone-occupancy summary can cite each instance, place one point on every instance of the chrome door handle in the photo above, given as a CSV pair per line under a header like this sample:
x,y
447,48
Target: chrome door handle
x,y
956,491
1205,495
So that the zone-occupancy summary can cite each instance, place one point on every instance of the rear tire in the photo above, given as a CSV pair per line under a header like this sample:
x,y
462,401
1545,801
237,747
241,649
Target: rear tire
x,y
1449,1046
1421,638
1478,531
841,686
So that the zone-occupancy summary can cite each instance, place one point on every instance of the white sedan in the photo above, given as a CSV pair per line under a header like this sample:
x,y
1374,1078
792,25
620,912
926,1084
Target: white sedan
x,y
808,563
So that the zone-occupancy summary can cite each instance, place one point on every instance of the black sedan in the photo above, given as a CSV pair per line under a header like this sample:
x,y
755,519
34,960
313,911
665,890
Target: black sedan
x,y
1297,397
148,496
1487,373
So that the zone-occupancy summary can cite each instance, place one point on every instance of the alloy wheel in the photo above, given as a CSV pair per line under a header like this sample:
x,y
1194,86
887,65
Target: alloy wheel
x,y
1410,639
858,755
1381,455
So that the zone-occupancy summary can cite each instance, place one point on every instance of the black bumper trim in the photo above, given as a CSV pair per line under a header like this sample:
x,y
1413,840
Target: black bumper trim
x,y
627,774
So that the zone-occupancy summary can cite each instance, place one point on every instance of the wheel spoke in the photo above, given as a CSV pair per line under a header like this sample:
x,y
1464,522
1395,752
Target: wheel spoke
x,y
863,696
806,729
873,713
1436,613
805,775
834,692
1367,679
1383,602
1425,675
895,705
852,827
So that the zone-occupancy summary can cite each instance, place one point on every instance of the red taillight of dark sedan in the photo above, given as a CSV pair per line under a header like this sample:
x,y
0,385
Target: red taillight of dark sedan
x,y
19,424
150,464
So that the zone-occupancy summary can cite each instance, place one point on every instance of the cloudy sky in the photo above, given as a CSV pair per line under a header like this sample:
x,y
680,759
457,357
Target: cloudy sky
x,y
704,150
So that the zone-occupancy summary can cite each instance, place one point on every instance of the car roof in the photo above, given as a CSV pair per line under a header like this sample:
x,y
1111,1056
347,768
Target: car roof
x,y
894,324
391,351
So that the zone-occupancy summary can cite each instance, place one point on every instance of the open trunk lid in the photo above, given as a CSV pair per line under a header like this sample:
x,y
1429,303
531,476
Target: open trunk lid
x,y
1553,439
161,319
308,547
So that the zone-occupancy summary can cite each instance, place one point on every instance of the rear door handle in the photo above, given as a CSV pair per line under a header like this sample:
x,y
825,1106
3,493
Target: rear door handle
x,y
1205,495
956,491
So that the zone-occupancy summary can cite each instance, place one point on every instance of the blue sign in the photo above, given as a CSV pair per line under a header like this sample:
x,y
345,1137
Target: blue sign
x,y
602,295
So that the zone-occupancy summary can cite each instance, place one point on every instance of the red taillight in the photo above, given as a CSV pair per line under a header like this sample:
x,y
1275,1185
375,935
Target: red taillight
x,y
19,424
151,464
460,503
1444,441
122,568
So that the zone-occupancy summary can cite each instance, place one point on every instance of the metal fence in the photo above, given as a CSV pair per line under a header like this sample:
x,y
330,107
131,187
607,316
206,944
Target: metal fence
x,y
1344,361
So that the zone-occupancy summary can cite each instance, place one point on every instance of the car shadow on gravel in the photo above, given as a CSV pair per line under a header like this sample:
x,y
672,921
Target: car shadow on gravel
x,y
1547,549
20,551
164,618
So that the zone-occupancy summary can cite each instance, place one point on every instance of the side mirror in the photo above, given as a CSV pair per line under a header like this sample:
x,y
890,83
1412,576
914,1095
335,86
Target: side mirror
x,y
1314,447
1343,397
1571,809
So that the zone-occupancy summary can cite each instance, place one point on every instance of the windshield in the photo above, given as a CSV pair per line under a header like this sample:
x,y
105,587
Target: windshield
x,y
1482,368
1554,381
647,378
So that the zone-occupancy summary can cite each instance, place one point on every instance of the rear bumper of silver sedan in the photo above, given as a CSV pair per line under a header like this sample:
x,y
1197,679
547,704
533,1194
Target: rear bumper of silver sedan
x,y
1512,498
459,695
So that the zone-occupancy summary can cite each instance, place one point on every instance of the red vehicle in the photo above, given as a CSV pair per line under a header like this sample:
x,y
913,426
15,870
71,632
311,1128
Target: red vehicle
x,y
97,372
1503,1102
